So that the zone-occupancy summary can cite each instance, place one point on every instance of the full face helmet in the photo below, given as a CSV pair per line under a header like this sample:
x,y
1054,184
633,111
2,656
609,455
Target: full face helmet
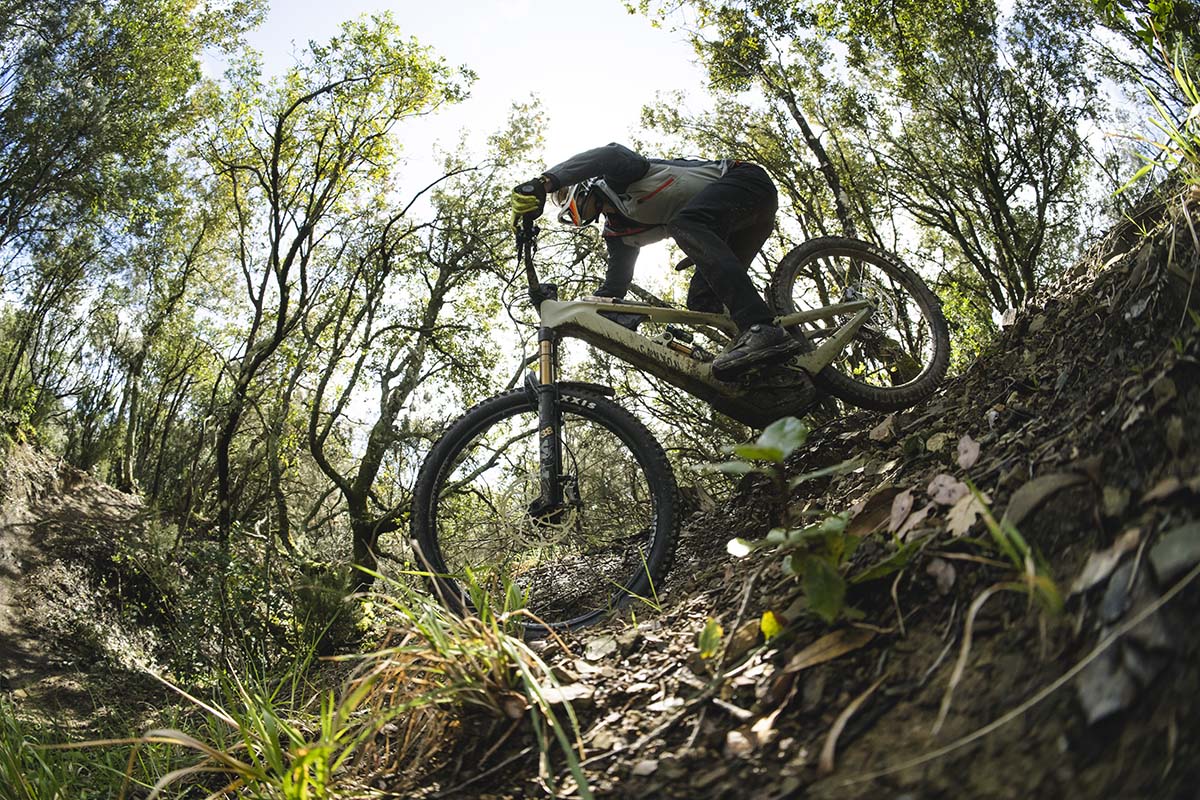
x,y
581,203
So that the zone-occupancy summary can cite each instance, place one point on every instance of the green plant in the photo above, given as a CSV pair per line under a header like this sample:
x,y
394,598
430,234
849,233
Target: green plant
x,y
816,554
1178,151
481,660
1034,571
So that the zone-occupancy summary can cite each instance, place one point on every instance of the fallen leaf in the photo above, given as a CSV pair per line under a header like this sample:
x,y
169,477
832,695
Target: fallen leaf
x,y
708,642
600,647
666,704
901,507
1035,492
1101,564
937,442
570,693
1163,489
1176,552
738,744
962,515
914,519
884,431
943,572
968,452
873,514
829,647
946,490
740,642
825,763
770,625
1115,501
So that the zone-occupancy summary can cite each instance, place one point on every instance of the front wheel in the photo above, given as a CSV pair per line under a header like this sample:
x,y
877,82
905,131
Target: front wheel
x,y
900,354
476,520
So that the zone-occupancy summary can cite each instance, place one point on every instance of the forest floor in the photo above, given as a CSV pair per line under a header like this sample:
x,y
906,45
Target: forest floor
x,y
1081,428
950,678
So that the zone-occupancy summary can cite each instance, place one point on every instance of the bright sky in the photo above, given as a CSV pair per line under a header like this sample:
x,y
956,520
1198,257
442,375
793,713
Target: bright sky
x,y
592,64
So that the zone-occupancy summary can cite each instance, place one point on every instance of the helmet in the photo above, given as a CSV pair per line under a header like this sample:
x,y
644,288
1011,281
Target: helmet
x,y
581,203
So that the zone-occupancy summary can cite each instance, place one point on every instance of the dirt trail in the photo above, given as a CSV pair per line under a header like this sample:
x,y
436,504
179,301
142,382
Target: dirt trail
x,y
49,512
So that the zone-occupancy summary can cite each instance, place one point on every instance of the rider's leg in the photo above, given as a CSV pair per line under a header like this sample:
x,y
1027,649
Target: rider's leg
x,y
739,208
744,199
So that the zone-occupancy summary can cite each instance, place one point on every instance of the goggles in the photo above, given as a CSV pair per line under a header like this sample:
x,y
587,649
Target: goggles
x,y
581,203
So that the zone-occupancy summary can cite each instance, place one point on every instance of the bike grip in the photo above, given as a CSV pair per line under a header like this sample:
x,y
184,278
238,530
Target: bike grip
x,y
532,188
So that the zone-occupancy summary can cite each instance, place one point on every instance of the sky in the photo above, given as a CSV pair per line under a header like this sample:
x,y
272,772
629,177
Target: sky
x,y
592,64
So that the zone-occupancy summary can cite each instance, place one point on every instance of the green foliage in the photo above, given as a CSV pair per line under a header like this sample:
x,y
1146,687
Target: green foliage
x,y
1175,149
1035,577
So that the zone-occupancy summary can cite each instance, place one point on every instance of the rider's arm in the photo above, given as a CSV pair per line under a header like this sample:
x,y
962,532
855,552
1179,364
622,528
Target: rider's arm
x,y
619,165
621,258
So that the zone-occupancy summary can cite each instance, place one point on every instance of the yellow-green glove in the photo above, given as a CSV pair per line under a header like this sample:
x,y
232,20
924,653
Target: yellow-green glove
x,y
528,200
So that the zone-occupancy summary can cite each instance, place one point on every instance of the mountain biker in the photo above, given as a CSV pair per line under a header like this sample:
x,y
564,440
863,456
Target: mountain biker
x,y
719,213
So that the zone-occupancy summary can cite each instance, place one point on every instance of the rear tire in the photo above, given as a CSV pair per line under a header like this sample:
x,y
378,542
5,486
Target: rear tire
x,y
900,355
614,541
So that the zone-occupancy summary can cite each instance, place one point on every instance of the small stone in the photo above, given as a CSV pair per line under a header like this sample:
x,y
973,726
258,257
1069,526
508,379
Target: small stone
x,y
1174,435
1116,500
645,767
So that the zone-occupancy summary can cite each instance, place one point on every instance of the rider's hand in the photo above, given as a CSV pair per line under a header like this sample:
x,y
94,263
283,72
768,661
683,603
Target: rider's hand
x,y
528,200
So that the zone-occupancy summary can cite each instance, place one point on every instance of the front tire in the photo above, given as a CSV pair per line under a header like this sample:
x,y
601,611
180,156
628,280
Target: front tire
x,y
614,540
900,355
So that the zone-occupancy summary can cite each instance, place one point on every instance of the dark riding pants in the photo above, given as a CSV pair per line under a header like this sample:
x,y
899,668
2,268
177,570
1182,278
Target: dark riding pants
x,y
722,229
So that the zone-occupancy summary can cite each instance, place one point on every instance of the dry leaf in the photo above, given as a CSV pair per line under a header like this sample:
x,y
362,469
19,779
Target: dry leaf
x,y
1101,564
962,514
738,744
571,693
1035,492
937,442
829,647
1163,489
884,431
825,764
968,452
874,513
943,572
742,640
914,519
946,490
901,507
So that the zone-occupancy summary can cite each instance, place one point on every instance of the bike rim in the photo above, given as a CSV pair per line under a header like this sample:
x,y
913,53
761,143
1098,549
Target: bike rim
x,y
571,568
896,345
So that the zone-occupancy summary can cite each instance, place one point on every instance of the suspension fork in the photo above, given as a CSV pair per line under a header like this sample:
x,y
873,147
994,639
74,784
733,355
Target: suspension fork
x,y
549,420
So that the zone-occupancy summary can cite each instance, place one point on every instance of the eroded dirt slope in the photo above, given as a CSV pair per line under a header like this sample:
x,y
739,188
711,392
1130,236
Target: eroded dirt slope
x,y
58,533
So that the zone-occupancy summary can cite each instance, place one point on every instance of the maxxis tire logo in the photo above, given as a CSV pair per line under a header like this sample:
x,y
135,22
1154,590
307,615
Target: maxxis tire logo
x,y
578,401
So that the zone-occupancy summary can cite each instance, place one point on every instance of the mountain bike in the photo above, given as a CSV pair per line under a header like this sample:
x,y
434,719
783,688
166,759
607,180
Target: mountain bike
x,y
569,499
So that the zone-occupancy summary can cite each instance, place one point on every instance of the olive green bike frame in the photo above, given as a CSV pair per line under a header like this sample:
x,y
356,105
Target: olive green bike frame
x,y
757,400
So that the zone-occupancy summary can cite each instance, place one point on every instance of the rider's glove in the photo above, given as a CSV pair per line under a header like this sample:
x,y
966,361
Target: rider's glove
x,y
528,200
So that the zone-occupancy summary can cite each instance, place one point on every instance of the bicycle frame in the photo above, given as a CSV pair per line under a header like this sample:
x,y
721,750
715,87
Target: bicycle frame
x,y
757,402
772,393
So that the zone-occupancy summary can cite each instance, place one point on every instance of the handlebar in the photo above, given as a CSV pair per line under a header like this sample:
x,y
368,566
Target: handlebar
x,y
526,236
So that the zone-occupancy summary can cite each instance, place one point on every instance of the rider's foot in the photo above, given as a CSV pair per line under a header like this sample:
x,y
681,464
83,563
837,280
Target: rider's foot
x,y
630,321
757,346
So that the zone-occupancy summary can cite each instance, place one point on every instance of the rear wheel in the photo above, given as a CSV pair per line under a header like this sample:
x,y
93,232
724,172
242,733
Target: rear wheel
x,y
900,354
613,536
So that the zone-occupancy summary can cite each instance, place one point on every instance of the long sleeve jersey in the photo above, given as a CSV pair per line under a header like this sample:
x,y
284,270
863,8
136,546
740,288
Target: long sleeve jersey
x,y
647,193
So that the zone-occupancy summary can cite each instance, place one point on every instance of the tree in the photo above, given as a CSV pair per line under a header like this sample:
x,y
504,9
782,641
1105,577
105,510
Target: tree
x,y
311,154
91,94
